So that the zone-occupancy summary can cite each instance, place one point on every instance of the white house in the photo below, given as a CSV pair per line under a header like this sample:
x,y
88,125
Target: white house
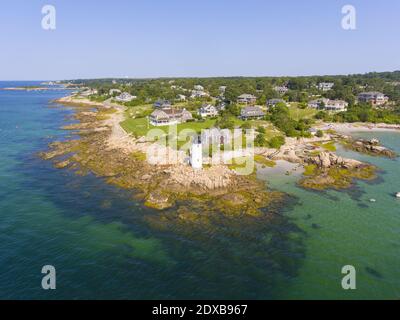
x,y
166,117
247,99
181,97
274,102
375,98
162,104
222,89
208,110
328,105
198,87
125,97
251,113
198,94
336,105
88,92
281,89
325,86
318,103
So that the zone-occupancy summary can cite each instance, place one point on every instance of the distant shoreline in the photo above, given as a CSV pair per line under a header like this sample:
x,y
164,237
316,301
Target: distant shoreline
x,y
36,89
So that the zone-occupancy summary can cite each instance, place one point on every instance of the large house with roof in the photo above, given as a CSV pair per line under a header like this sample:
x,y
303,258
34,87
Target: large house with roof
x,y
222,89
274,102
88,92
318,103
125,97
166,117
246,99
375,98
251,113
198,94
208,110
336,105
281,89
160,104
325,86
198,87
328,105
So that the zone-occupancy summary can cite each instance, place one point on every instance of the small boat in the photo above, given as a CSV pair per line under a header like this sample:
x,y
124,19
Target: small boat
x,y
398,195
372,200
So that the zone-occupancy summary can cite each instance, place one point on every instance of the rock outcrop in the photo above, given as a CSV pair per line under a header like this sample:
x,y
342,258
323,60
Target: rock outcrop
x,y
328,159
372,147
215,177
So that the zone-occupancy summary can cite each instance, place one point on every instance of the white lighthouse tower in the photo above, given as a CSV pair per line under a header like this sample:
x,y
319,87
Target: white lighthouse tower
x,y
196,154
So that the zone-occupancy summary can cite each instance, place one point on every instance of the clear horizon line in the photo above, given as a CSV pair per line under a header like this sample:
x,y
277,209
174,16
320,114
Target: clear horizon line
x,y
199,77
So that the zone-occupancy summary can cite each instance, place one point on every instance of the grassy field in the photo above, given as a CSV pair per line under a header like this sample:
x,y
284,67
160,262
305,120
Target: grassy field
x,y
140,126
297,113
197,125
139,110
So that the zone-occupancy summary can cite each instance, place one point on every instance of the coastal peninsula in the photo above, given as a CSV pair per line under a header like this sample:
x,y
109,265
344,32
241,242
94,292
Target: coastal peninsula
x,y
112,128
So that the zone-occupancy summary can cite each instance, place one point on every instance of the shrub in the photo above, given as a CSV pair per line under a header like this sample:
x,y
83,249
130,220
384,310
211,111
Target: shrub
x,y
261,129
260,141
277,142
319,134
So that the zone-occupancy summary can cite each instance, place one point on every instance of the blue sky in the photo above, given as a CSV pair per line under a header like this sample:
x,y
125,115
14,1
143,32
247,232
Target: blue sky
x,y
169,38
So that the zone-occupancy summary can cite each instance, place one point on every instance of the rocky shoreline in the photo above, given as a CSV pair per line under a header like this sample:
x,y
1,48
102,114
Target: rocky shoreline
x,y
98,151
323,168
371,147
106,150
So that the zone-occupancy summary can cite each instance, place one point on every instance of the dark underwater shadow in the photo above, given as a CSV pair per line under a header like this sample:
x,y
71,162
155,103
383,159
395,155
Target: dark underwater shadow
x,y
215,257
223,257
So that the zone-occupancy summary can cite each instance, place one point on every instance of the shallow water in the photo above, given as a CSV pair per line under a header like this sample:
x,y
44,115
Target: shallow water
x,y
346,228
105,245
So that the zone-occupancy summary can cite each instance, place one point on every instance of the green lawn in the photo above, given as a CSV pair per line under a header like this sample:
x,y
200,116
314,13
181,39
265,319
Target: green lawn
x,y
138,111
140,126
196,125
297,113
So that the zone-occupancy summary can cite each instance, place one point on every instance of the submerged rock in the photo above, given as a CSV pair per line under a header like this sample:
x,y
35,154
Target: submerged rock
x,y
337,177
373,272
158,200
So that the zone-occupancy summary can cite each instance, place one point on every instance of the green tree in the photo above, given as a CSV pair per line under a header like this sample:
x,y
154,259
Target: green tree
x,y
260,140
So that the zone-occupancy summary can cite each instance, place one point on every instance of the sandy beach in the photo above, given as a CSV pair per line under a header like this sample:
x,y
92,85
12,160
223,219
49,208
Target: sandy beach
x,y
359,127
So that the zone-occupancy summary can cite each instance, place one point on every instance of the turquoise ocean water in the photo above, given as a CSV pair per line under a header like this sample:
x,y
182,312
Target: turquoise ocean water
x,y
103,244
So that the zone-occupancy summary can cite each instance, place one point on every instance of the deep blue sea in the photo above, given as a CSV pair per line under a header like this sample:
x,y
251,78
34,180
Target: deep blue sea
x,y
103,244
